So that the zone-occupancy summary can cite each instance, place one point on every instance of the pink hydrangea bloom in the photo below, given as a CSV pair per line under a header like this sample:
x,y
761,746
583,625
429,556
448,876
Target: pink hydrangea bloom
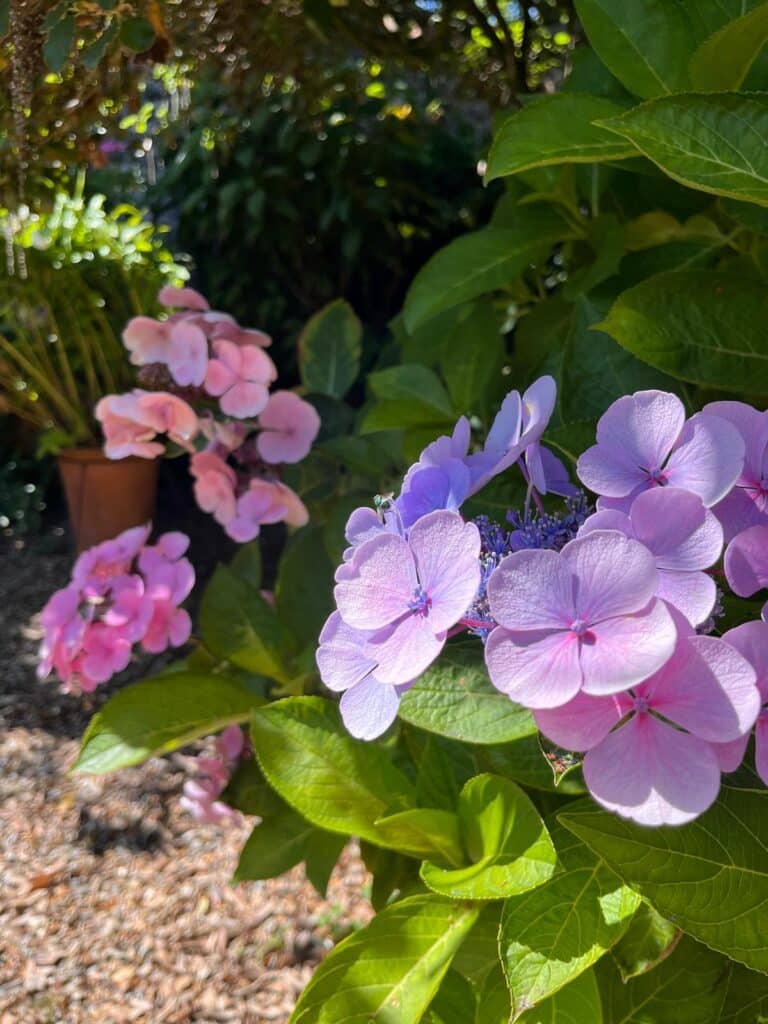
x,y
240,377
585,618
751,640
644,440
289,425
172,416
661,770
215,484
63,631
182,298
131,422
106,651
147,340
228,329
747,503
187,354
683,537
265,501
409,593
201,795
97,568
746,561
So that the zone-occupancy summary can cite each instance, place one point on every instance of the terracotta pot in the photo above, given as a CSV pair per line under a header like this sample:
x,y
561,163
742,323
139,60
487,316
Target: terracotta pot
x,y
106,496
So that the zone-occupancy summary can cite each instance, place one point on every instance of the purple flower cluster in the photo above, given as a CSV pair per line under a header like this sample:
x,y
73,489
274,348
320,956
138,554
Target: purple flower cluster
x,y
593,621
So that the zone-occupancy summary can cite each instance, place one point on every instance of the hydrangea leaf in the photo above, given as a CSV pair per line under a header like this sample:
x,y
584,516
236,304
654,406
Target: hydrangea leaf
x,y
159,715
455,1003
723,60
390,970
505,839
709,877
556,129
577,1003
649,939
422,832
334,781
746,997
330,348
455,698
554,933
707,141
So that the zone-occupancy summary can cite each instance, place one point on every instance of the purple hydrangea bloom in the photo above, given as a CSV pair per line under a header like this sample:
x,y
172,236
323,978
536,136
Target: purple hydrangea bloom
x,y
746,561
644,440
683,537
585,618
429,488
747,504
409,592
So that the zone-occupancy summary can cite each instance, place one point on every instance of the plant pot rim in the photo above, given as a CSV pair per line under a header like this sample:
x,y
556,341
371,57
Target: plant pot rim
x,y
92,453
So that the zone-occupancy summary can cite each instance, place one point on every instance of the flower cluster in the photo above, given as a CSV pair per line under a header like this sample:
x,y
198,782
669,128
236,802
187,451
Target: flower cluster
x,y
596,622
201,794
122,592
206,389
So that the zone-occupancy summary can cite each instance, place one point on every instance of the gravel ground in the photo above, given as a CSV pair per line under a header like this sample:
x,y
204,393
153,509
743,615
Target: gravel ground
x,y
115,906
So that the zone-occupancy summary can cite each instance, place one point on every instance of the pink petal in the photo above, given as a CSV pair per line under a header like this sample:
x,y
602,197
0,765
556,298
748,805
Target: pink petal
x,y
751,640
218,378
446,550
730,755
179,628
583,722
652,773
147,340
256,365
289,425
738,511
746,561
295,513
536,669
369,708
182,298
244,399
607,519
609,472
616,575
753,427
385,581
230,355
532,590
624,651
692,593
404,649
761,748
340,657
707,458
187,354
676,527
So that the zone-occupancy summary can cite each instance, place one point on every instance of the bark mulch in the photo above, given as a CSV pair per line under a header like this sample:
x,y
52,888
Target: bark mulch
x,y
114,905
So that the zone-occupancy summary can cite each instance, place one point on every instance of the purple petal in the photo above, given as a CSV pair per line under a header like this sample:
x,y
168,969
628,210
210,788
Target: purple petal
x,y
362,525
369,708
753,427
738,511
761,748
608,472
404,649
692,593
624,651
532,590
429,488
384,582
653,774
676,527
556,479
607,519
751,640
583,722
341,658
707,458
538,404
730,755
746,561
616,575
446,550
505,429
536,669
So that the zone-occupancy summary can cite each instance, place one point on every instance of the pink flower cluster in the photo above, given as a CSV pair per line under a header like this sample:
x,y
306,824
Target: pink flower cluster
x,y
201,794
215,403
123,592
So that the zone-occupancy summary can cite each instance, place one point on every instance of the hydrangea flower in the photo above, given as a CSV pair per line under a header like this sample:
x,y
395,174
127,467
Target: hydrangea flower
x,y
131,422
215,484
201,795
265,501
644,440
747,503
750,640
585,618
746,561
683,537
288,426
183,298
239,376
409,592
659,767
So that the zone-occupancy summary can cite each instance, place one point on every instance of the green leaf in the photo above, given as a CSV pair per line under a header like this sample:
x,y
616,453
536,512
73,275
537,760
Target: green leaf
x,y
93,53
422,832
697,325
405,414
746,997
320,857
411,382
708,141
723,60
304,587
455,1003
471,362
687,988
334,781
649,939
137,34
478,958
556,129
472,265
248,791
247,563
238,625
524,762
645,43
553,934
389,971
455,698
506,840
709,877
156,716
274,846
59,43
577,1003
330,349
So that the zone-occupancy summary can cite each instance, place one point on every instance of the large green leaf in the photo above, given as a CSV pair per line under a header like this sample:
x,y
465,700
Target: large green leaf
x,y
474,265
723,60
697,325
556,129
455,1003
455,698
687,988
274,846
422,832
238,625
334,781
303,591
330,349
551,935
746,997
645,43
709,141
506,840
577,1003
709,877
411,382
390,971
156,716
648,940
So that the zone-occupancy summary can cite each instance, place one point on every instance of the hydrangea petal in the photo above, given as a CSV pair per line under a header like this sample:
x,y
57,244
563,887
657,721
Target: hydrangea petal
x,y
692,593
187,354
446,550
624,651
369,708
536,669
404,649
532,590
616,575
707,458
385,581
761,748
340,657
583,722
751,640
730,755
746,561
